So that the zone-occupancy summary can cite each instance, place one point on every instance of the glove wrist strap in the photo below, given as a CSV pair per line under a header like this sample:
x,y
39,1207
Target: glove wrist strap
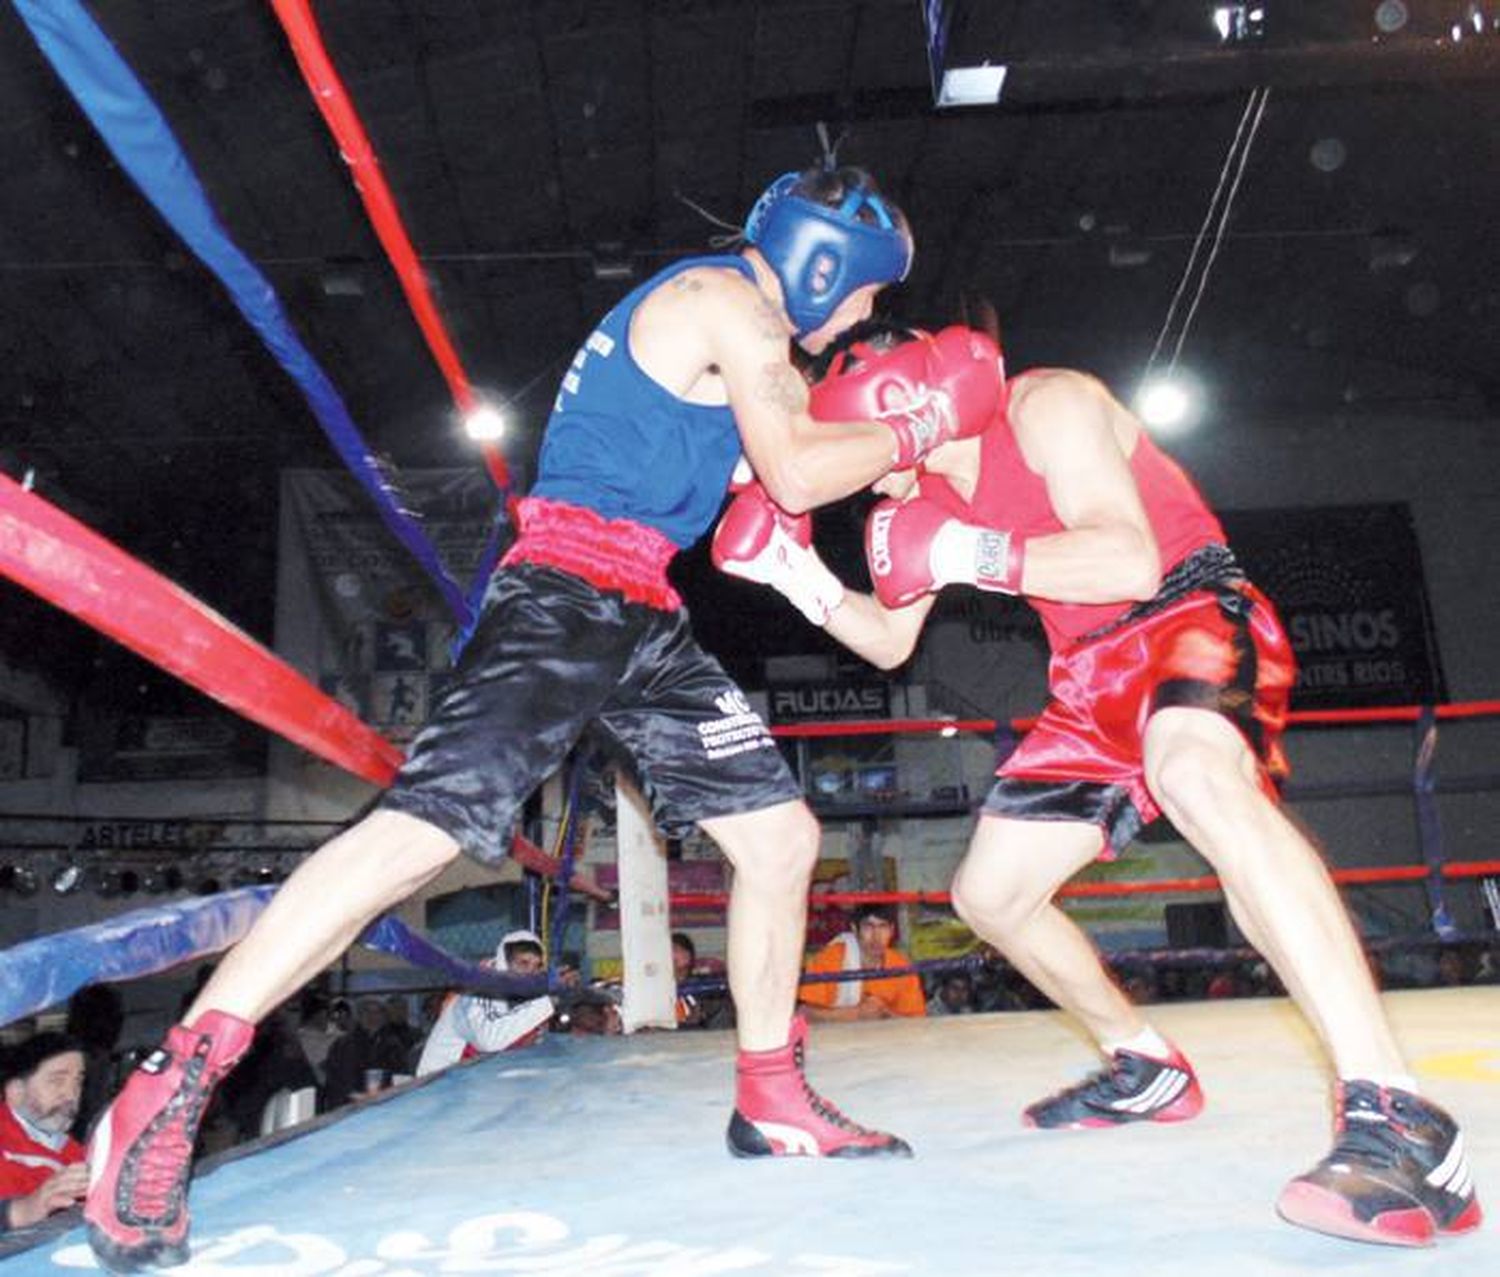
x,y
985,557
817,592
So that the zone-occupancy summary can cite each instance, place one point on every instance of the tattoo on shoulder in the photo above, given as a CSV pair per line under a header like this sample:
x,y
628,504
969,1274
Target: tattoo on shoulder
x,y
687,283
782,387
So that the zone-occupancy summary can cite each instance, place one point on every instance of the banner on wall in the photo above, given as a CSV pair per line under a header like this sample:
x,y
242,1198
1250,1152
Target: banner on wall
x,y
359,617
157,747
353,611
1349,585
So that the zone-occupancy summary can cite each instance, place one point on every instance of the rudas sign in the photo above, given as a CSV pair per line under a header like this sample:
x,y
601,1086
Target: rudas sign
x,y
832,698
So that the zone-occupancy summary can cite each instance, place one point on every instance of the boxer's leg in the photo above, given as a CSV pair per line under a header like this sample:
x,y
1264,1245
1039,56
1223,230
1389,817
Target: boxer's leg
x,y
1397,1171
1004,890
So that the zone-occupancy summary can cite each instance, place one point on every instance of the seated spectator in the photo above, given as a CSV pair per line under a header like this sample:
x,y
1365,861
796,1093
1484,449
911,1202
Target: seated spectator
x,y
353,1055
591,1015
954,994
473,1024
867,946
1453,968
399,1043
690,1011
1222,984
42,1170
316,1030
275,1062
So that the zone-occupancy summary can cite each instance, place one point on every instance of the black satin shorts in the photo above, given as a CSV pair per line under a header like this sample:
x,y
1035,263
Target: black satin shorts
x,y
553,656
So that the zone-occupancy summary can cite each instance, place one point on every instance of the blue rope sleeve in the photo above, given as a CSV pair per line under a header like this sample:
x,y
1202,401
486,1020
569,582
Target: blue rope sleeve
x,y
138,135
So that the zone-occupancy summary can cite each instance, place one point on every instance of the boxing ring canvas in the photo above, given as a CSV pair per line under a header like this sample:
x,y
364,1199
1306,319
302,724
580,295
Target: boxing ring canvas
x,y
604,1157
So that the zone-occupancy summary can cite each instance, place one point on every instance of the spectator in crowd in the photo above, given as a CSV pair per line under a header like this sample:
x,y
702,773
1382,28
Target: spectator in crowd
x,y
474,1024
591,1016
399,1042
868,946
1487,970
1140,986
691,1012
96,1016
1223,984
316,1030
1452,967
276,1062
42,1170
952,995
353,1055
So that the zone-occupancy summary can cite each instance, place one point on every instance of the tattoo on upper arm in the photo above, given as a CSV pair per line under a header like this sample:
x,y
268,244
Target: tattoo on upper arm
x,y
774,329
687,283
782,387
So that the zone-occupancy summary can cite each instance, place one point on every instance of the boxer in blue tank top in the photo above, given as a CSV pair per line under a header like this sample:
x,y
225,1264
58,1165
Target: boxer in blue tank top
x,y
581,629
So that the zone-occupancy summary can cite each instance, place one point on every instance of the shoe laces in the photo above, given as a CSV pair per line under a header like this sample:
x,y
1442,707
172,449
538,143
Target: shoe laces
x,y
826,1109
1107,1083
166,1149
1367,1133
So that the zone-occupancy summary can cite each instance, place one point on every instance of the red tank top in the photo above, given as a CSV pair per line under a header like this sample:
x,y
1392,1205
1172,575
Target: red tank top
x,y
1009,494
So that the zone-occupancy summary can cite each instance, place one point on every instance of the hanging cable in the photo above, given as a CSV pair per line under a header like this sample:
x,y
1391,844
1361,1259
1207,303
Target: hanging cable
x,y
1213,252
1217,218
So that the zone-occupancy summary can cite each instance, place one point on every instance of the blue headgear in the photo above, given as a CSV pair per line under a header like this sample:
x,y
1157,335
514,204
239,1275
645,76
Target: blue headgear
x,y
822,254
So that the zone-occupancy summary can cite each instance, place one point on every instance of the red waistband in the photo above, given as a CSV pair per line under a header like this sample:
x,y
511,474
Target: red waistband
x,y
613,554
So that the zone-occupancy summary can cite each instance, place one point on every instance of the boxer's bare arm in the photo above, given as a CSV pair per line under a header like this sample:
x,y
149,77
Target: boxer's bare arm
x,y
884,636
1070,430
800,462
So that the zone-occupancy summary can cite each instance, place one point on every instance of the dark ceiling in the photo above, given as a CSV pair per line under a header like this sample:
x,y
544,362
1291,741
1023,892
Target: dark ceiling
x,y
533,145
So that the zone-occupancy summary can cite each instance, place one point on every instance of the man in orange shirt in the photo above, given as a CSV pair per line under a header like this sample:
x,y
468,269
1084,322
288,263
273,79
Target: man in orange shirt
x,y
867,946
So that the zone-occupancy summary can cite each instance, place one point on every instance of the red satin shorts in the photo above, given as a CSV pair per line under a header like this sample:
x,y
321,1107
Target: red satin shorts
x,y
1214,644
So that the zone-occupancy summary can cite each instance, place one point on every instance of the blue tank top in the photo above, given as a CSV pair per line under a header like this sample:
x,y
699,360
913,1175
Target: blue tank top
x,y
624,446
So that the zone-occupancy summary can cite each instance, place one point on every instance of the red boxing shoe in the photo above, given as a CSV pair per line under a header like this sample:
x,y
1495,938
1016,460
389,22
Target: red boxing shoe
x,y
777,1114
142,1148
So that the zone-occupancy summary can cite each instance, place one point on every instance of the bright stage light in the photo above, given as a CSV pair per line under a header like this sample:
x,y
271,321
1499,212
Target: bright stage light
x,y
1166,404
485,424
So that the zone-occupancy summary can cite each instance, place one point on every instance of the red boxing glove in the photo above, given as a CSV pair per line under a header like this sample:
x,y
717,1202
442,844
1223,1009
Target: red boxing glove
x,y
964,391
759,541
928,390
867,381
916,547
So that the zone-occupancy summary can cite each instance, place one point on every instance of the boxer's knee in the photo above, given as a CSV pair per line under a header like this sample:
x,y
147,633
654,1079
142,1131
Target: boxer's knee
x,y
773,851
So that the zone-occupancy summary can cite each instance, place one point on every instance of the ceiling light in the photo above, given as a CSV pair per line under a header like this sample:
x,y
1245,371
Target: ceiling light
x,y
485,424
612,260
1239,21
971,86
341,284
1166,403
1391,16
1127,254
67,878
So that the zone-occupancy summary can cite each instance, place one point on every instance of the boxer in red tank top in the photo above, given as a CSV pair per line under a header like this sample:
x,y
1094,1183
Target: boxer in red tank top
x,y
1168,683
